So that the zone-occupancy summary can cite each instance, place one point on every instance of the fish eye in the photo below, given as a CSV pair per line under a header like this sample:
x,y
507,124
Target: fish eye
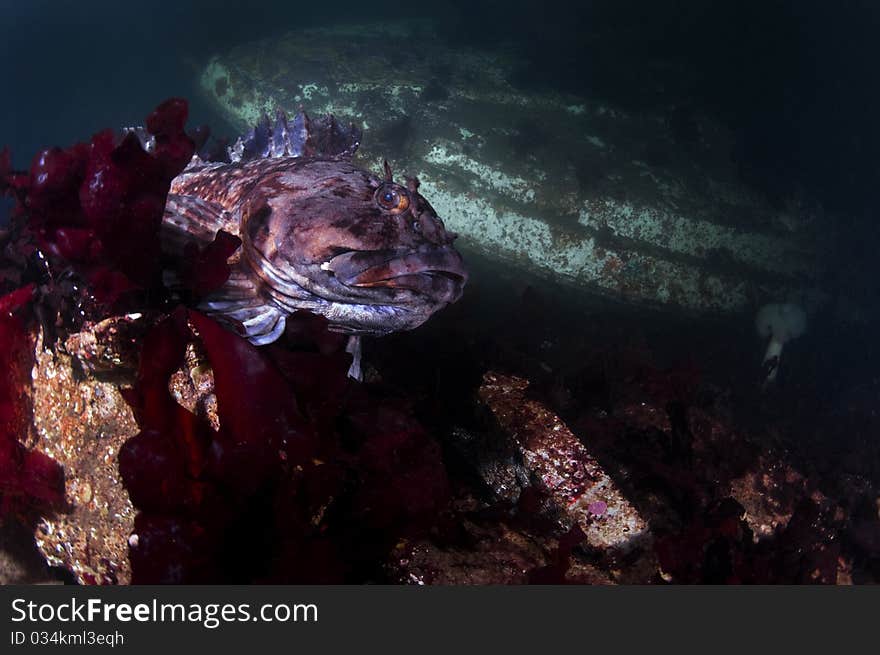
x,y
392,198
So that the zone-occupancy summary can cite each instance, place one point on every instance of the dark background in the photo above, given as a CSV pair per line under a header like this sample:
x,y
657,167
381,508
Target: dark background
x,y
796,80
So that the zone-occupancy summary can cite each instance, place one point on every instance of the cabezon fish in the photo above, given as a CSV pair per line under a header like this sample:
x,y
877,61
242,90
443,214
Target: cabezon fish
x,y
318,233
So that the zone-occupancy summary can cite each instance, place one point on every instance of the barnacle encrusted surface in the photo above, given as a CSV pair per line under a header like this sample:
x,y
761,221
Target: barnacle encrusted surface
x,y
81,422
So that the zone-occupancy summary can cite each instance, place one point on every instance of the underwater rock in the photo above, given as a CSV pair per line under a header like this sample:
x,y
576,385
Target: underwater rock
x,y
570,187
584,494
495,553
81,422
30,482
499,556
769,493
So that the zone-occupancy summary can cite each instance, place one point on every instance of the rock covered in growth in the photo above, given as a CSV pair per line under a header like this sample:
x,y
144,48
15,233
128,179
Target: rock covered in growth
x,y
493,553
583,492
30,481
647,208
82,421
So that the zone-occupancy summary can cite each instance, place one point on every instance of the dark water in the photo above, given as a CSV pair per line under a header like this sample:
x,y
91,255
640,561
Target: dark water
x,y
794,81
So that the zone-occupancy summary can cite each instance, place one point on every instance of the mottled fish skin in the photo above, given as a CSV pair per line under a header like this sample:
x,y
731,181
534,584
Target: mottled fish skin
x,y
318,233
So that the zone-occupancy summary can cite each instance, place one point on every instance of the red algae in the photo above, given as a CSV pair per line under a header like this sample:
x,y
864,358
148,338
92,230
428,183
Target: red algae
x,y
98,206
261,428
334,473
160,464
206,269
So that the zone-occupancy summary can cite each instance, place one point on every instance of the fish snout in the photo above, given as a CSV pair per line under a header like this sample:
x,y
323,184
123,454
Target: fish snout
x,y
437,272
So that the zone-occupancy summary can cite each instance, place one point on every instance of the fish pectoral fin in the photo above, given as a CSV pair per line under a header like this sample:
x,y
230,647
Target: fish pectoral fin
x,y
355,349
259,323
240,305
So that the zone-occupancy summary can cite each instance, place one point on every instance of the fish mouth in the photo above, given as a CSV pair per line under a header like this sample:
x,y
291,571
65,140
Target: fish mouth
x,y
435,272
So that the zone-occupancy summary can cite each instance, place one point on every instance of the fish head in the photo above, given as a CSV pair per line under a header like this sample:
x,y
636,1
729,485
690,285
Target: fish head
x,y
372,253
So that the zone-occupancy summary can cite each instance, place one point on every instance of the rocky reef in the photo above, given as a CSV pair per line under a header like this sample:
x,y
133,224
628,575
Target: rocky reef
x,y
516,439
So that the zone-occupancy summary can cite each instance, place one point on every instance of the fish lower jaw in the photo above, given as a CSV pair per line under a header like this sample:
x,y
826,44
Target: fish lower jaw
x,y
371,320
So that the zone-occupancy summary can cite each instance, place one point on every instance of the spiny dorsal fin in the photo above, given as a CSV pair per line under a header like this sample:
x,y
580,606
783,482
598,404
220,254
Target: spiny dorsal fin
x,y
300,136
